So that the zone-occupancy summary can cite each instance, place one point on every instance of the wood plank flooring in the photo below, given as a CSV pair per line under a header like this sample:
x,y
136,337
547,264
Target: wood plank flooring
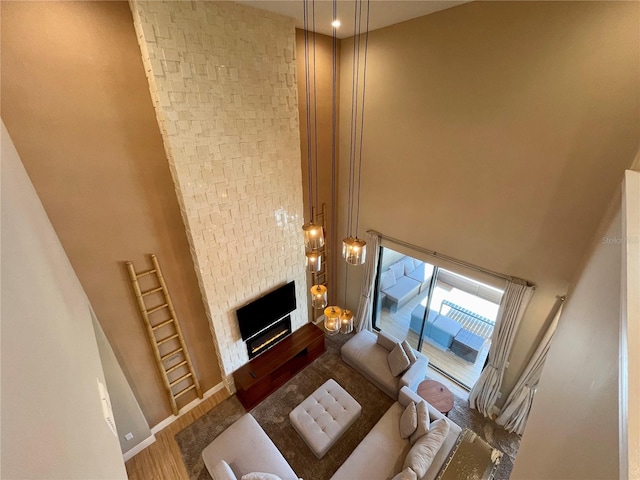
x,y
162,459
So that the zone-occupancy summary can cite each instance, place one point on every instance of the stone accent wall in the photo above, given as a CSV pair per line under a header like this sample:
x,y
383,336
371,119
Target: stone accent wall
x,y
222,79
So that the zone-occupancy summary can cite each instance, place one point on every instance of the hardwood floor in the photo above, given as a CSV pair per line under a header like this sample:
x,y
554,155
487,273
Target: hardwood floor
x,y
162,459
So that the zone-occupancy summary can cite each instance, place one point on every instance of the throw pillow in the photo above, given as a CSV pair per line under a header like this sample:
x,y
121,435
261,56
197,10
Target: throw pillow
x,y
398,269
424,451
406,474
260,476
222,471
409,265
409,351
408,421
398,360
423,422
387,280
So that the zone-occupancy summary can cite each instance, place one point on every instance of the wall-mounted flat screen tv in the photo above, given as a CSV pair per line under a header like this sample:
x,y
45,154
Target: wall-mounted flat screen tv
x,y
266,310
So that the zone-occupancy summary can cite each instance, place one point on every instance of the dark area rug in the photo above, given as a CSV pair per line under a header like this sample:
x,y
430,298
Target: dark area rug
x,y
273,415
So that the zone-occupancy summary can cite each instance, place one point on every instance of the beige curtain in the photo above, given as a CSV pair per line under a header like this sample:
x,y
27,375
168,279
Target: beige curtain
x,y
514,303
516,409
363,319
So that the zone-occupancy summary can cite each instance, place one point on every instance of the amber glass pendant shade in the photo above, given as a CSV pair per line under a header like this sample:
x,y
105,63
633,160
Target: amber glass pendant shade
x,y
313,236
354,250
313,261
346,321
332,319
318,296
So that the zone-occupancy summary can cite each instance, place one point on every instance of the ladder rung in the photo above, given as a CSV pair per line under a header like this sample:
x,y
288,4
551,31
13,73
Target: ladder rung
x,y
171,354
142,274
160,325
149,292
155,309
184,362
186,375
165,340
182,392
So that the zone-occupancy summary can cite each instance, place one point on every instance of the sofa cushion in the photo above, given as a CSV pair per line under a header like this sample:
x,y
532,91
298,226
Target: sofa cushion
x,y
386,340
387,280
409,421
422,425
421,455
406,474
260,476
222,471
404,289
398,360
409,265
398,269
443,330
381,452
366,353
409,352
421,273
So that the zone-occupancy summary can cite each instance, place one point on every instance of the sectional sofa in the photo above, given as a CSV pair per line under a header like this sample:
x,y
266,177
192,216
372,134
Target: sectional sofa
x,y
403,280
245,448
367,353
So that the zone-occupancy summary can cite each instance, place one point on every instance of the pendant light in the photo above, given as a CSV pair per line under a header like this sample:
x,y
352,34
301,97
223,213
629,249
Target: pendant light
x,y
313,234
346,321
354,250
332,319
313,261
318,296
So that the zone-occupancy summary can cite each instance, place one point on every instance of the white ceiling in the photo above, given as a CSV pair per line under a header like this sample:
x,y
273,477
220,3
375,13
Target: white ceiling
x,y
383,12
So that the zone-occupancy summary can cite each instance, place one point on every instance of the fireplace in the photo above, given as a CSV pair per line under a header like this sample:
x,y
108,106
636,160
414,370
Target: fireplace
x,y
268,337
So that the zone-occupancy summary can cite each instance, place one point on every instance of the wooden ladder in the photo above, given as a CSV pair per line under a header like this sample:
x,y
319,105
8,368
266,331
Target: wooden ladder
x,y
170,350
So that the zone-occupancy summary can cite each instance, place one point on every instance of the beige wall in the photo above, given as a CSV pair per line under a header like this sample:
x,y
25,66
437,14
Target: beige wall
x,y
76,101
52,422
322,124
496,133
126,410
572,431
222,78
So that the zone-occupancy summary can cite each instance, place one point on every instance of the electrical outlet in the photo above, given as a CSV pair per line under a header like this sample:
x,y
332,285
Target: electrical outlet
x,y
128,436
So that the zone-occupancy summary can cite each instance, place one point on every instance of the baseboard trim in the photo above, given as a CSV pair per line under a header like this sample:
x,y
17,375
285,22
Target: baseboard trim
x,y
169,420
139,447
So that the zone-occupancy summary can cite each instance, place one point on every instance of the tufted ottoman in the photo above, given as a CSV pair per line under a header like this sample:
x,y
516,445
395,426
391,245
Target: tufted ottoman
x,y
324,416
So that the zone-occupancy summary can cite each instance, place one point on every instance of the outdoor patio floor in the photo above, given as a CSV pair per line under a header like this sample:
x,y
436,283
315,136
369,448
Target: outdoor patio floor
x,y
397,324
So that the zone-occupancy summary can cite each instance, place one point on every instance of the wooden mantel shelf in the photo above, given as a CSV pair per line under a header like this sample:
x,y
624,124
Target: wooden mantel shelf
x,y
267,372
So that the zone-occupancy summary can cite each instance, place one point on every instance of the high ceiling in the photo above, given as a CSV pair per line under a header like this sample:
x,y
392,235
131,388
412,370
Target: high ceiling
x,y
383,12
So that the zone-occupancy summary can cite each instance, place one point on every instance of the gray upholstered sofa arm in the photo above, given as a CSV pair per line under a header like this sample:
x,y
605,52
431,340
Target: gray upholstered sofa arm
x,y
415,374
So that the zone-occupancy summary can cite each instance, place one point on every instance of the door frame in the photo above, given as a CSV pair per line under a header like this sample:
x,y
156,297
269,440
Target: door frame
x,y
629,382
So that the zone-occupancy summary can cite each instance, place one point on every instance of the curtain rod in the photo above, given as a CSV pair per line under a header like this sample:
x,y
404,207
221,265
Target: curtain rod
x,y
433,253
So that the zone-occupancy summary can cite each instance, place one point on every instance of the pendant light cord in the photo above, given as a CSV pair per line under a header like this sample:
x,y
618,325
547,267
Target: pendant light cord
x,y
315,101
308,105
334,124
364,88
355,72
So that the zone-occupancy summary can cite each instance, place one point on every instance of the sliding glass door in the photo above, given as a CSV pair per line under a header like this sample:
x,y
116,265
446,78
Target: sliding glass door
x,y
446,316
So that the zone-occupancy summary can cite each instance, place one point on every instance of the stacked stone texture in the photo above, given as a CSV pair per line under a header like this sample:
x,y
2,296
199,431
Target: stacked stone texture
x,y
222,80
